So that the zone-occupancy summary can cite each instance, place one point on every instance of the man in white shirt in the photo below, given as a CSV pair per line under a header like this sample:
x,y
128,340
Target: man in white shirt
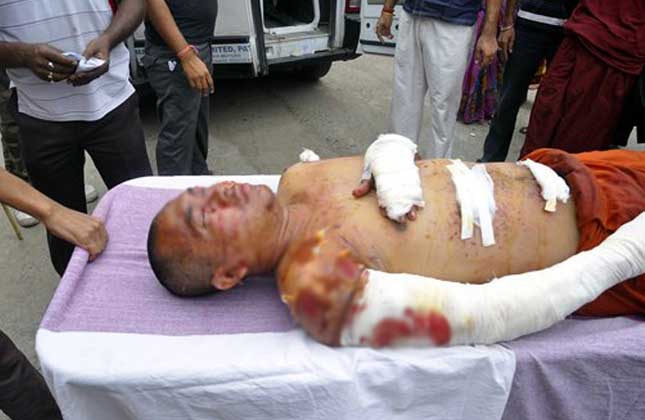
x,y
62,106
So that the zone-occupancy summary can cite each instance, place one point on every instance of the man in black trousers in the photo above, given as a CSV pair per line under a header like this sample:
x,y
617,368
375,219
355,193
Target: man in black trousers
x,y
178,63
535,35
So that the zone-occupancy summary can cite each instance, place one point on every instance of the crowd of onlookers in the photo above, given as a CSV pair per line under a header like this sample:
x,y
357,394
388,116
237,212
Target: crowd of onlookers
x,y
590,98
473,62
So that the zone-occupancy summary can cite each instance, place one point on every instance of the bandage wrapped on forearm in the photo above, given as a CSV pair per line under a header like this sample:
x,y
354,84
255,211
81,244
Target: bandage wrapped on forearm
x,y
401,309
390,160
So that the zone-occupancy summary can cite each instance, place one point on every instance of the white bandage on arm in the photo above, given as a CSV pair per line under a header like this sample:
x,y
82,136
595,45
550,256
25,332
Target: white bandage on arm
x,y
399,309
553,187
390,160
476,197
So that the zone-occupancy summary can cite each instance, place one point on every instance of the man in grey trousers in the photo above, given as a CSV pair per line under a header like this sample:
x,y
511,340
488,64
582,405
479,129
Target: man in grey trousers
x,y
178,62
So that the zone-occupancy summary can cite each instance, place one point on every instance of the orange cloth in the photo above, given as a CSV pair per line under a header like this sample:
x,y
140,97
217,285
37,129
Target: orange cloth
x,y
608,189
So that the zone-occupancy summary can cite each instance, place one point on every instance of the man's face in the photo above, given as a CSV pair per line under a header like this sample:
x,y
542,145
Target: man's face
x,y
225,224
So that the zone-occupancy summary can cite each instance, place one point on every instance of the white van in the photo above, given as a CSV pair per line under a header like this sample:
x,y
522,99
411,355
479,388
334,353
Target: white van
x,y
370,11
256,37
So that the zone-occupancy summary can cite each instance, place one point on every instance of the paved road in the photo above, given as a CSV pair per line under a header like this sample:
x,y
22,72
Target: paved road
x,y
258,127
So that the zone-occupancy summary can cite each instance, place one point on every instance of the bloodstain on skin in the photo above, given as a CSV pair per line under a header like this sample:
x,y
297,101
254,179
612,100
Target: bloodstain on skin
x,y
348,268
304,253
308,305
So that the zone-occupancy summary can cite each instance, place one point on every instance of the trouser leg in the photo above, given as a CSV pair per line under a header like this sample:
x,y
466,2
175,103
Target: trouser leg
x,y
117,145
13,161
531,46
23,392
54,159
549,103
178,107
200,151
410,85
446,49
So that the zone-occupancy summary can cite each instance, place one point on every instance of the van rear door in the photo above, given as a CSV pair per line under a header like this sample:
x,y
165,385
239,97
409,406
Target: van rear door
x,y
369,43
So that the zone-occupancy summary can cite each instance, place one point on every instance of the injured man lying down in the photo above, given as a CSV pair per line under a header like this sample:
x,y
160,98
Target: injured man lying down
x,y
466,254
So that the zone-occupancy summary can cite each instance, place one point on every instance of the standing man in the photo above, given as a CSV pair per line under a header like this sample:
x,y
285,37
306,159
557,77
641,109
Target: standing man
x,y
65,106
536,35
581,98
23,392
433,46
178,60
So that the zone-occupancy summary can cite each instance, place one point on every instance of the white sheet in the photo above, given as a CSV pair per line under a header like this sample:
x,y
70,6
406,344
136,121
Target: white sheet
x,y
109,376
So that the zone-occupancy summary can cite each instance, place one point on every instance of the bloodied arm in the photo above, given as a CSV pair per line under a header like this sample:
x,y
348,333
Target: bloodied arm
x,y
318,280
339,302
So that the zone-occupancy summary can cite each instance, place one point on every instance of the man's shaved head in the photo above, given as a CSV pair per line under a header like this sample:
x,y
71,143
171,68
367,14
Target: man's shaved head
x,y
182,273
209,239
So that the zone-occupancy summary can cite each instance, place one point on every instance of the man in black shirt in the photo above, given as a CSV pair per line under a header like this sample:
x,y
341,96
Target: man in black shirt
x,y
535,35
178,63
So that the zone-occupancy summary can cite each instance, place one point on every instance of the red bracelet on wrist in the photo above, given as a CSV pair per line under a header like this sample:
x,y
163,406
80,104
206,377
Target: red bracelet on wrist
x,y
188,48
389,10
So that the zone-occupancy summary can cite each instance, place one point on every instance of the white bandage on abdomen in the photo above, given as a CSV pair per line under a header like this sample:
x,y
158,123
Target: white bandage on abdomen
x,y
553,187
476,197
400,309
390,160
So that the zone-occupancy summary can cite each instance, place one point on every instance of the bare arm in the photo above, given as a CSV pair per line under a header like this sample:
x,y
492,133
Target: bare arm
x,y
506,37
161,18
318,278
82,230
45,61
196,71
509,13
487,43
128,16
384,24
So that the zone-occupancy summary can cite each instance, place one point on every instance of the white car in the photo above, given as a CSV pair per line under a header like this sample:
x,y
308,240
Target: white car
x,y
256,37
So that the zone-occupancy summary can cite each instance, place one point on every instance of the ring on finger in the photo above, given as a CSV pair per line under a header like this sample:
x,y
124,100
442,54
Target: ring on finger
x,y
50,65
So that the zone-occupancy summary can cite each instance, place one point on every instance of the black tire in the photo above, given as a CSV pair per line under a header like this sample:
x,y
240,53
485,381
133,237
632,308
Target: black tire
x,y
313,72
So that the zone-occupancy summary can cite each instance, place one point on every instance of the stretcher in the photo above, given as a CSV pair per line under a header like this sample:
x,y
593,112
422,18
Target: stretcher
x,y
114,344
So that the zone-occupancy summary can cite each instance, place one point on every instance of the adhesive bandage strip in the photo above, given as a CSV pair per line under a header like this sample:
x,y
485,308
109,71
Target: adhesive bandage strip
x,y
390,160
308,156
476,197
553,187
403,309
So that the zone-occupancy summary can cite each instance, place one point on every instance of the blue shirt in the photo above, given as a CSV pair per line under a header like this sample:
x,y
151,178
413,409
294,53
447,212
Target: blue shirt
x,y
460,12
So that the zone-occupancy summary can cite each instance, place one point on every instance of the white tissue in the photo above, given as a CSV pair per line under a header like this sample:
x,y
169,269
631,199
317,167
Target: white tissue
x,y
83,63
308,156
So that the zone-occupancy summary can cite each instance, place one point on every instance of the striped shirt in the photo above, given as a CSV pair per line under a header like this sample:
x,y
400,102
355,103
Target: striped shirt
x,y
68,25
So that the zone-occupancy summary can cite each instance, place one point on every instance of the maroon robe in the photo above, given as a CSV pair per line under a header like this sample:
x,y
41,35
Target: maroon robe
x,y
580,100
